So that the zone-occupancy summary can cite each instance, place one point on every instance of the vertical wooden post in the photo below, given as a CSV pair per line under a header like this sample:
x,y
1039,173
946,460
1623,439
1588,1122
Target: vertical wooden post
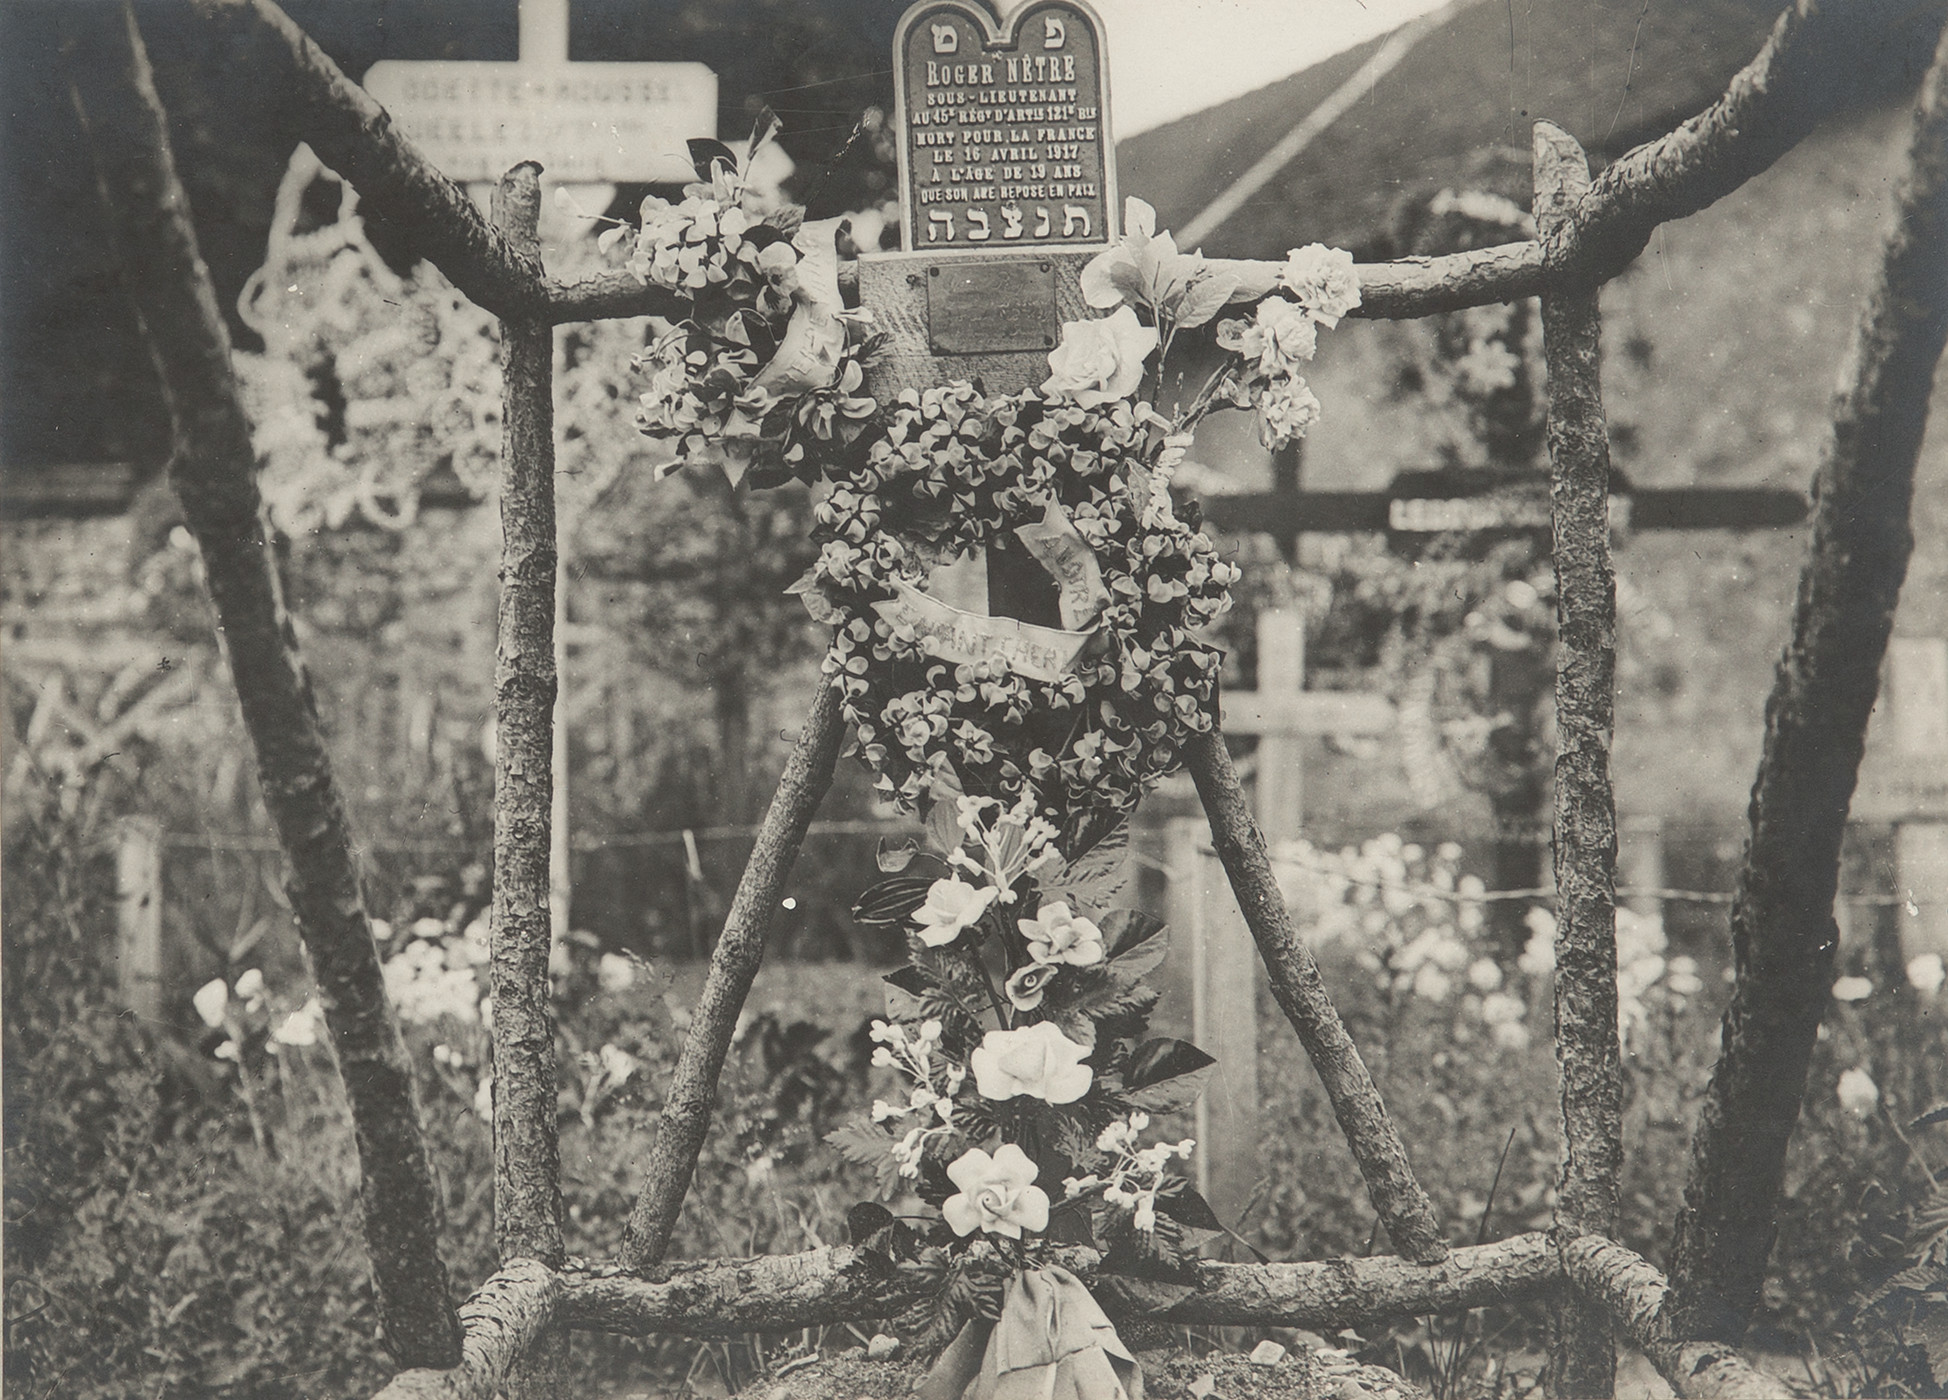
x,y
1582,1354
1281,753
138,917
1209,986
527,1152
1640,863
1917,694
561,879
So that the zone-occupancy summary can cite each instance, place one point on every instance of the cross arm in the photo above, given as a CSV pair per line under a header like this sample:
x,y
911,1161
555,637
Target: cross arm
x,y
1309,712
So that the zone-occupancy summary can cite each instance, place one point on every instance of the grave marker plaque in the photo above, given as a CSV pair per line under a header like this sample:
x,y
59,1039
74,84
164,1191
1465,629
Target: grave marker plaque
x,y
1007,189
1003,134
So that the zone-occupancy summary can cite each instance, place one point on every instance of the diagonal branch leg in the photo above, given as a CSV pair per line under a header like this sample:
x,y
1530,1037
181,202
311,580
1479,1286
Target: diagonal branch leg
x,y
1401,1202
1783,933
692,1095
1582,1356
213,470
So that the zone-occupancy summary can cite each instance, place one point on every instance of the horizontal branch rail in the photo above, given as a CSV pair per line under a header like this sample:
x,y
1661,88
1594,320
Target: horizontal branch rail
x,y
213,471
1633,1292
727,1297
1768,107
1399,1199
503,1320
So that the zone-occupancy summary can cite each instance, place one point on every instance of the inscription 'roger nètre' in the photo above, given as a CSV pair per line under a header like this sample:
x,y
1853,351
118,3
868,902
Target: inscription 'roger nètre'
x,y
1008,148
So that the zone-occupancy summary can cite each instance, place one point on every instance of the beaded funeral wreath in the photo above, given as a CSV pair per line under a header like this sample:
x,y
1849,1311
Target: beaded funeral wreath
x,y
1018,1026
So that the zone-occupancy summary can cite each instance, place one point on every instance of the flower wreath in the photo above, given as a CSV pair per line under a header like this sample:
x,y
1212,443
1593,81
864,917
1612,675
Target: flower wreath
x,y
954,471
768,375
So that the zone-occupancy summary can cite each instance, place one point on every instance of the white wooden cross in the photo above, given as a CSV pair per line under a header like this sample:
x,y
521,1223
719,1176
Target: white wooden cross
x,y
1210,981
585,122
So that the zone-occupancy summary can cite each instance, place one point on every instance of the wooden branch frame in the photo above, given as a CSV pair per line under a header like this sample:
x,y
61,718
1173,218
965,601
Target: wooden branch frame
x,y
1783,934
1582,1358
1765,110
1589,231
213,470
1397,1196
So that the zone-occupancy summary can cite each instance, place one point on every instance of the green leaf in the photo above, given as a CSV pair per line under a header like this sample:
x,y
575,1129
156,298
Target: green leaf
x,y
1139,1297
865,1146
896,853
1189,1209
891,901
1098,875
1157,1060
908,978
865,1220
1137,942
705,153
1205,298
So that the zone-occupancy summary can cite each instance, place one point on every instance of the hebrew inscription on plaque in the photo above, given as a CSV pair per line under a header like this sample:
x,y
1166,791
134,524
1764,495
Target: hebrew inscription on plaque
x,y
1004,134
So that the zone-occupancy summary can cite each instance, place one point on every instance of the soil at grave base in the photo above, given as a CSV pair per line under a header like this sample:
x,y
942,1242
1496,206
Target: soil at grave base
x,y
1167,1375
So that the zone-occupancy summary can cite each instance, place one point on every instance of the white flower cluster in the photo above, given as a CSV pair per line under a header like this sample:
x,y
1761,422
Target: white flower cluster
x,y
1137,1174
433,974
1283,335
936,1081
1013,843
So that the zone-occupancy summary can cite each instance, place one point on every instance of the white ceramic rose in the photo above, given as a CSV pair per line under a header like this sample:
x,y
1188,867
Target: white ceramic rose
x,y
997,1194
1037,1061
1058,936
1323,279
1100,361
952,905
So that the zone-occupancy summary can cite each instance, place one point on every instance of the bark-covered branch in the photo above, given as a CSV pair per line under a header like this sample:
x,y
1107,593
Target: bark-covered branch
x,y
1582,1356
1783,933
356,137
692,1095
1768,107
1632,1292
721,1298
213,470
1402,1204
1411,287
527,1157
502,1321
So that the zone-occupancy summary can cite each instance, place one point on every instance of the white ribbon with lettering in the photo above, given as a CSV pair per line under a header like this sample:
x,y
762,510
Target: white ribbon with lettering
x,y
1040,653
1070,561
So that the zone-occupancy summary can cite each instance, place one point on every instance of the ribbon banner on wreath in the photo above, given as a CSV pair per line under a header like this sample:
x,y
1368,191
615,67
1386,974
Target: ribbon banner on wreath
x,y
1021,1083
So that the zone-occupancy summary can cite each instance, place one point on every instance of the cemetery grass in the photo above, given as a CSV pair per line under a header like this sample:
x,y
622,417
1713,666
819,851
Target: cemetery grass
x,y
177,1223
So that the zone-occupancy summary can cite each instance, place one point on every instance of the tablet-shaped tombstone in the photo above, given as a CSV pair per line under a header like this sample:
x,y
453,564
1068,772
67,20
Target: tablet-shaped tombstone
x,y
1007,189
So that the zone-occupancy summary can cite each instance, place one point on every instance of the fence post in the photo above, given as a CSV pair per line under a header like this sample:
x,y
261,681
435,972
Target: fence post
x,y
1640,863
1917,694
138,917
1210,997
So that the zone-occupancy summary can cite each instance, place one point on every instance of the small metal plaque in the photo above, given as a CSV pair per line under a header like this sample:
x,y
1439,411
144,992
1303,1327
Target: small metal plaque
x,y
991,308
